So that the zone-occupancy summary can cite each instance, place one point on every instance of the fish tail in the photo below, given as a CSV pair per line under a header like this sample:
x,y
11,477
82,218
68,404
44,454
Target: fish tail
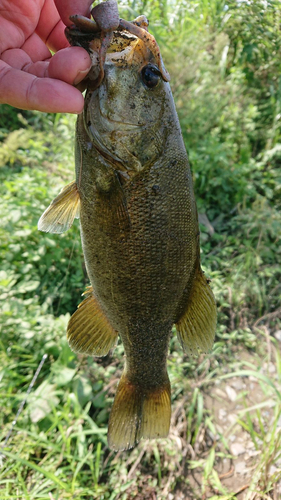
x,y
156,412
138,413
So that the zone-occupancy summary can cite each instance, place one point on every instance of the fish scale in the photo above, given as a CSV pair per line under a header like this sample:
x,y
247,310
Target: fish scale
x,y
139,231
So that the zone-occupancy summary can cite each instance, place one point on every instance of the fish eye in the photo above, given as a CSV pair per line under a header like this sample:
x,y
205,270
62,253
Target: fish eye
x,y
150,76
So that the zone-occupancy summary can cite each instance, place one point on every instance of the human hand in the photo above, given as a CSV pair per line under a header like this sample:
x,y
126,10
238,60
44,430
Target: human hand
x,y
30,77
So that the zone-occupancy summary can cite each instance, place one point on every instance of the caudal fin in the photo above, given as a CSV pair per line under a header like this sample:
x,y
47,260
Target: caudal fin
x,y
138,413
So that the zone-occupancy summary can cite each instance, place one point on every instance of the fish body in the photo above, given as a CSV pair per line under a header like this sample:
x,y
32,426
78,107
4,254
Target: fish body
x,y
140,237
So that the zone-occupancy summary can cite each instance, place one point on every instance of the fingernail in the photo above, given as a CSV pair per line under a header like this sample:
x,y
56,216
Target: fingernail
x,y
81,75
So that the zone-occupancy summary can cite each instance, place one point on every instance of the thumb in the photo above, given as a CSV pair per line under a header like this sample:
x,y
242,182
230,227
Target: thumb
x,y
70,65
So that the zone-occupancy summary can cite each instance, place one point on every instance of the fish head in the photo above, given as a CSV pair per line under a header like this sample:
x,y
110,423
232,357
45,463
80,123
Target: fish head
x,y
126,116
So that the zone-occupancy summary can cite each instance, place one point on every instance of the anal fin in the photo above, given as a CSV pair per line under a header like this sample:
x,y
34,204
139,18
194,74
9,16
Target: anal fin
x,y
197,325
60,214
89,331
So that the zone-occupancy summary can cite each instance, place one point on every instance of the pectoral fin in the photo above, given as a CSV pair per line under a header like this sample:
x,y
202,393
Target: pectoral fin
x,y
122,214
60,214
197,325
89,331
114,201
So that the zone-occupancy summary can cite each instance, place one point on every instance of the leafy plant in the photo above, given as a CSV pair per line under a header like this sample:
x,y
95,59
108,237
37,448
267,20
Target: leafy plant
x,y
224,61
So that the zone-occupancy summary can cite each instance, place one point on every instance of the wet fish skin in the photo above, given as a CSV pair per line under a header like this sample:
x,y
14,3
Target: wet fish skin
x,y
142,259
140,239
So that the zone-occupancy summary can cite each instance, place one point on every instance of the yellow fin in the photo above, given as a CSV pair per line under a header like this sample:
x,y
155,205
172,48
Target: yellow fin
x,y
138,413
156,412
125,417
60,214
197,326
89,331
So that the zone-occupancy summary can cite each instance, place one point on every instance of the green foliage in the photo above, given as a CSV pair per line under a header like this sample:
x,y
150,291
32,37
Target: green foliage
x,y
37,264
11,119
224,60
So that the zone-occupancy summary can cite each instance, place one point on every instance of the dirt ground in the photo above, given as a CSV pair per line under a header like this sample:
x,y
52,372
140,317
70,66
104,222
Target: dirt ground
x,y
230,404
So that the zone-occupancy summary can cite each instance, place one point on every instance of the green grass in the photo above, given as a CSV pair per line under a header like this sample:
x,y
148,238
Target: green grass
x,y
228,96
59,446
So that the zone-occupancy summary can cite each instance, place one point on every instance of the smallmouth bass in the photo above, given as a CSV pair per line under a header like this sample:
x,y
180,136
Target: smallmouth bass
x,y
139,228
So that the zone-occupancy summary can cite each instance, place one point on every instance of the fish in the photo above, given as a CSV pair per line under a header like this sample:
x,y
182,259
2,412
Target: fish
x,y
134,196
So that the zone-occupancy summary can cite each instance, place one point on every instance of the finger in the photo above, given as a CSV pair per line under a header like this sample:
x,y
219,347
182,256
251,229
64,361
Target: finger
x,y
35,48
26,91
53,18
67,8
57,39
50,27
19,59
11,35
70,65
17,21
